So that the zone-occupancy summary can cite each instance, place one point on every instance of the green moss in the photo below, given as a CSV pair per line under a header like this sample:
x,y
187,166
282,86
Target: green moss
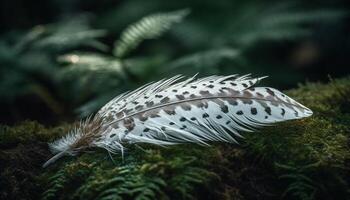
x,y
303,159
27,132
23,149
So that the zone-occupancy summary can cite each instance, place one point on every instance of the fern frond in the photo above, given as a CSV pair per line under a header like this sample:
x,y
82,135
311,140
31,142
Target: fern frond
x,y
124,182
300,183
91,62
56,184
282,21
69,34
149,27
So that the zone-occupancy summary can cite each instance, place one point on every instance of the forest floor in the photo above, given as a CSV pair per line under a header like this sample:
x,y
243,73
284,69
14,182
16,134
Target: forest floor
x,y
301,159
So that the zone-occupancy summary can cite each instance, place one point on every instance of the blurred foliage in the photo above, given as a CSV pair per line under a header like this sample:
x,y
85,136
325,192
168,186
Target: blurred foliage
x,y
302,159
60,60
86,75
72,67
149,27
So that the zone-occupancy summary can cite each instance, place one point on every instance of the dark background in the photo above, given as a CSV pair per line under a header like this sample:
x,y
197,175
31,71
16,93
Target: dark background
x,y
311,44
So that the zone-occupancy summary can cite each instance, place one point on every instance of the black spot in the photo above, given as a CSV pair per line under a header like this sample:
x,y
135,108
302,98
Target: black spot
x,y
296,114
165,100
218,117
180,97
154,115
185,93
211,81
268,110
193,118
159,96
228,122
135,102
253,111
182,119
252,89
232,102
283,112
139,107
149,103
224,109
142,117
171,123
266,117
186,106
127,110
193,86
193,96
210,86
270,92
174,90
245,85
233,84
169,111
204,92
129,123
146,97
239,112
247,101
163,128
146,130
183,127
126,131
112,135
205,115
251,82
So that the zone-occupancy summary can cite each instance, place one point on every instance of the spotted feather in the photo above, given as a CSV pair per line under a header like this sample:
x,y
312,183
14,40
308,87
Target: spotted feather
x,y
172,111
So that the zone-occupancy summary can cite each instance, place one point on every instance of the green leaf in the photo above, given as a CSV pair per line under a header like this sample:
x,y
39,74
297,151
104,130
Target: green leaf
x,y
149,27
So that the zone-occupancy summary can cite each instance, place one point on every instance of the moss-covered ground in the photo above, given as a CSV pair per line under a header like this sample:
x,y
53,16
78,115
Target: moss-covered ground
x,y
303,159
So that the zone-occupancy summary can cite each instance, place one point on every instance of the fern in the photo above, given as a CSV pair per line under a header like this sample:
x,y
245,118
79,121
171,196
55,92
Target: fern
x,y
282,21
126,182
300,185
91,62
244,24
65,178
129,182
70,34
150,176
182,175
186,181
56,184
149,27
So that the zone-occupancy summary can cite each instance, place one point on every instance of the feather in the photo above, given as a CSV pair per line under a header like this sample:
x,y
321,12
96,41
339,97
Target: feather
x,y
173,111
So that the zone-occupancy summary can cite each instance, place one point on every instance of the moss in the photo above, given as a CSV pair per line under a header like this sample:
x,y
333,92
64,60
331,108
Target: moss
x,y
303,159
29,131
23,149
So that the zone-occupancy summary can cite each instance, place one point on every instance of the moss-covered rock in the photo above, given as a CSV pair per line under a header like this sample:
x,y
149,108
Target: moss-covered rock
x,y
303,159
